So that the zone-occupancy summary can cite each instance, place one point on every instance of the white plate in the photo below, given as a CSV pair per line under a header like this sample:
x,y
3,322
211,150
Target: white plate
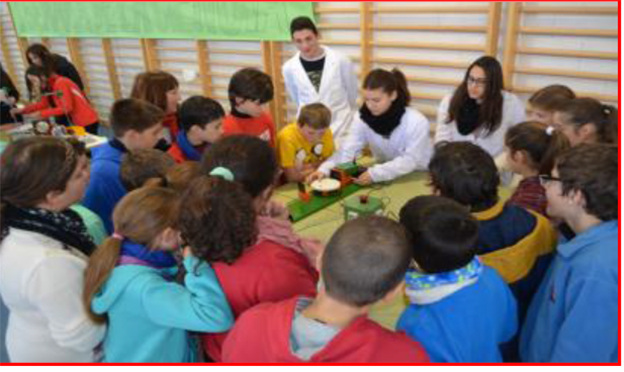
x,y
326,185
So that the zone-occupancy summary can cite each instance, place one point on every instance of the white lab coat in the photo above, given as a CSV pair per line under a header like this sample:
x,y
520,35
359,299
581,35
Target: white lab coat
x,y
494,143
41,284
407,149
338,89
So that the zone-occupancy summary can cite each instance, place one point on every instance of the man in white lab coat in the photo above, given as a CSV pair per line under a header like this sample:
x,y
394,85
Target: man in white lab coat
x,y
320,74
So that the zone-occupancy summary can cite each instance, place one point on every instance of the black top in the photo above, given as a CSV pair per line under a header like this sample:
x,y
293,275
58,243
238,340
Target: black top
x,y
9,88
65,68
314,69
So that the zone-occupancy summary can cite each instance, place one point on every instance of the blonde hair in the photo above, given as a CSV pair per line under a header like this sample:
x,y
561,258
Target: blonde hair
x,y
315,115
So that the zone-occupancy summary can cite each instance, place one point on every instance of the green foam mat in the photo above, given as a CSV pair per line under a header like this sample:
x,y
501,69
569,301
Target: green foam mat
x,y
300,209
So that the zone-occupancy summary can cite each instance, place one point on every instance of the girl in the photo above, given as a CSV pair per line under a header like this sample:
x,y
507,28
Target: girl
x,y
532,148
252,267
585,120
479,111
543,103
38,55
60,96
43,252
129,283
397,135
163,90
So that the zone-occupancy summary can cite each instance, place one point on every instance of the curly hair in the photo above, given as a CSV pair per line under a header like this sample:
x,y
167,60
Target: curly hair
x,y
217,219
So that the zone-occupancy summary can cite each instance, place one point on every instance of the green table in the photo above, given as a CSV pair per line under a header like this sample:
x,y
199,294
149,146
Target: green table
x,y
395,194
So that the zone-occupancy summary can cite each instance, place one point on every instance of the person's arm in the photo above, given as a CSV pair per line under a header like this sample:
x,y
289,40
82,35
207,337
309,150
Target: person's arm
x,y
353,144
199,305
64,103
588,333
416,156
35,107
349,80
55,288
444,130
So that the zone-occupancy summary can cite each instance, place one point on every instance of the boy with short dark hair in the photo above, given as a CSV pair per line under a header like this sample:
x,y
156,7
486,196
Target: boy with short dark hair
x,y
201,124
518,243
136,124
145,165
304,145
573,317
249,92
363,263
460,310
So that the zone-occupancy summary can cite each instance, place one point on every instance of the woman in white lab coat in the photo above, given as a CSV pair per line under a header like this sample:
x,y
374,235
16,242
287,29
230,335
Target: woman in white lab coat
x,y
319,74
397,135
480,111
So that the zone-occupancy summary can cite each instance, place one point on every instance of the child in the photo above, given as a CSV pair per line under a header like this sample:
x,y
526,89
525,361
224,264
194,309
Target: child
x,y
460,310
265,268
364,263
180,176
60,96
514,241
573,317
200,126
249,91
43,252
9,96
397,135
145,167
585,120
480,111
304,145
543,103
531,149
136,125
128,283
163,90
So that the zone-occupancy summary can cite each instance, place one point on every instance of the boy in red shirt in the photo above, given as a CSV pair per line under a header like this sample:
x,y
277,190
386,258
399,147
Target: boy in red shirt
x,y
249,92
363,263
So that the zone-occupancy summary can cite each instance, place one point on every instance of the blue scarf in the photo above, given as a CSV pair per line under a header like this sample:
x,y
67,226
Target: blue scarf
x,y
189,151
137,254
424,288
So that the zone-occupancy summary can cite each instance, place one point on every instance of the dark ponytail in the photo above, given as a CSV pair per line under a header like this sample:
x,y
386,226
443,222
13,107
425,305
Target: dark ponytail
x,y
542,144
389,82
582,111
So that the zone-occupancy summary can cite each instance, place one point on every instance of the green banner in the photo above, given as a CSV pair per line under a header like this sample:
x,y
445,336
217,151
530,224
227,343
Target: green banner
x,y
159,20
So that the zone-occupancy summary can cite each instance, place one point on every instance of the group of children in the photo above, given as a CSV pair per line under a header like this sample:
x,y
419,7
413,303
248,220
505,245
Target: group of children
x,y
201,264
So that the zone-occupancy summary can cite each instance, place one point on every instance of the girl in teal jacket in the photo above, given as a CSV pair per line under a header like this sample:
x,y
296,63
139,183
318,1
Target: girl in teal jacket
x,y
130,282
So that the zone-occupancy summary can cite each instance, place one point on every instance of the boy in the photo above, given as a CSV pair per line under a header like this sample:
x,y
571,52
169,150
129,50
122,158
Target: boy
x,y
249,91
460,310
136,124
145,166
574,315
363,263
201,125
304,145
516,242
317,73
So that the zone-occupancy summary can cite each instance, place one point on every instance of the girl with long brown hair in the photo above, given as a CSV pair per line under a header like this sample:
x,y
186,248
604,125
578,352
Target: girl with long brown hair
x,y
129,284
479,111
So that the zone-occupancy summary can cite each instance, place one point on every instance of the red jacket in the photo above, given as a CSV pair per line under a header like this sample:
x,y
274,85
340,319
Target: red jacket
x,y
262,335
176,153
266,272
70,101
262,127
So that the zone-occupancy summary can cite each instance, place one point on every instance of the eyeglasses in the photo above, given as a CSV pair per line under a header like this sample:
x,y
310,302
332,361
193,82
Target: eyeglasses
x,y
545,178
479,82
